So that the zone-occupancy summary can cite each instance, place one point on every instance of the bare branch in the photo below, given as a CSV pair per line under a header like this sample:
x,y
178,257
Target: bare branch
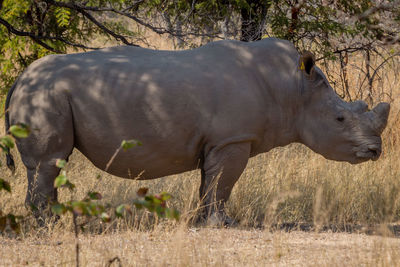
x,y
383,63
45,45
83,9
38,38
379,7
388,37
159,30
348,50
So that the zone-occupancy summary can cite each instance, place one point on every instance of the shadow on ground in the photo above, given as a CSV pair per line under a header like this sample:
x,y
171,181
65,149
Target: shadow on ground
x,y
380,229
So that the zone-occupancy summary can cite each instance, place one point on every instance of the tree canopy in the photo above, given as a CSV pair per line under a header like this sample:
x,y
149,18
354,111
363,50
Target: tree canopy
x,y
30,29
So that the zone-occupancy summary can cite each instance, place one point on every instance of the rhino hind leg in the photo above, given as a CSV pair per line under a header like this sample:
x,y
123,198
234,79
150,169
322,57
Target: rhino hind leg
x,y
41,191
221,169
46,144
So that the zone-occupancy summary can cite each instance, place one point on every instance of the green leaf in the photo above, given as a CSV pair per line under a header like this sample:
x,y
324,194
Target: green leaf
x,y
58,209
60,163
160,211
105,217
153,199
127,144
119,210
165,196
60,180
79,208
142,191
70,185
95,195
5,185
7,141
138,204
12,220
20,130
172,214
63,16
94,209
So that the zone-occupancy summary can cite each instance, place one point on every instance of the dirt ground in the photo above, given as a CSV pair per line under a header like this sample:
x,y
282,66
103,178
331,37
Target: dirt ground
x,y
182,246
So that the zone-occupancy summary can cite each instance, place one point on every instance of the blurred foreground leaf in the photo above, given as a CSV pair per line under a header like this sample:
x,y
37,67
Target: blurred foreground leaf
x,y
58,209
60,163
127,144
60,180
157,203
95,195
3,223
21,130
4,185
6,142
142,191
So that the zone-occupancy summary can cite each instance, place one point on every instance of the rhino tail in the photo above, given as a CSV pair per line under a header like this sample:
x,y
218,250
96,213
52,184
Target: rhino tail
x,y
9,157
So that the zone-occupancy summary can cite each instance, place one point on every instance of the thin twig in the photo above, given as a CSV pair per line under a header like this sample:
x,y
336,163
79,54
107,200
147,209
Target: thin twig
x,y
112,158
377,8
76,239
159,30
347,49
117,259
82,9
37,38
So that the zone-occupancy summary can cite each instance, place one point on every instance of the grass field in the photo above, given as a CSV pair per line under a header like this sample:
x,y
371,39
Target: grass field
x,y
180,246
286,185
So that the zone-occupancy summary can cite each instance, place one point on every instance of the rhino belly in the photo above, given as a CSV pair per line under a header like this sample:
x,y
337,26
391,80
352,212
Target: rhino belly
x,y
168,147
141,162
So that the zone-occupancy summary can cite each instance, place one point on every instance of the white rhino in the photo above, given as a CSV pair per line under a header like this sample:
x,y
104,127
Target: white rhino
x,y
210,108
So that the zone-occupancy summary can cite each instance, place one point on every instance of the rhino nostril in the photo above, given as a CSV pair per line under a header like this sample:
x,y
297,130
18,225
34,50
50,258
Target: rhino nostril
x,y
375,152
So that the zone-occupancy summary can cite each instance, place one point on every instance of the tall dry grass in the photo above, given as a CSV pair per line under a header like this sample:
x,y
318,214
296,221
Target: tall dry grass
x,y
203,247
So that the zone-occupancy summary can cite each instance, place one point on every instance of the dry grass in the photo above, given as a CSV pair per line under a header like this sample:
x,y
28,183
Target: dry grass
x,y
290,184
181,246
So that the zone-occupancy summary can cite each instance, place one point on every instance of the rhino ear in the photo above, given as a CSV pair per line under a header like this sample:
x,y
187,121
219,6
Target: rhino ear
x,y
307,62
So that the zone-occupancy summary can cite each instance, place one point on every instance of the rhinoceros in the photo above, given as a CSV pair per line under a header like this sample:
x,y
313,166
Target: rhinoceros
x,y
209,108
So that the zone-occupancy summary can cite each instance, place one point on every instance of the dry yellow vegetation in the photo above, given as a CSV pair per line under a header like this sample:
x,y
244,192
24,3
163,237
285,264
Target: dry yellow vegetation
x,y
181,246
289,184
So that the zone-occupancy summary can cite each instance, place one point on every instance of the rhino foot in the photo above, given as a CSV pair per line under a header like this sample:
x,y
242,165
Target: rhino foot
x,y
217,219
221,220
43,214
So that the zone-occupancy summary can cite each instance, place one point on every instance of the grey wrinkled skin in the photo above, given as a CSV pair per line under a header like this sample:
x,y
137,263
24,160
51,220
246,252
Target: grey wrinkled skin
x,y
211,108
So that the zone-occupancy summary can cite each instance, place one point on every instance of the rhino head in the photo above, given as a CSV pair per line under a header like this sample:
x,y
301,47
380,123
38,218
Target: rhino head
x,y
336,129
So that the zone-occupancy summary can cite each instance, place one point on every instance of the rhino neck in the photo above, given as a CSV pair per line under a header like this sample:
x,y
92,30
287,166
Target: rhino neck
x,y
283,108
281,130
280,86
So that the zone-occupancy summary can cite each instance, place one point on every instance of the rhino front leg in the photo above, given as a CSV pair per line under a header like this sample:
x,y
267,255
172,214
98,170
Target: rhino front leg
x,y
221,169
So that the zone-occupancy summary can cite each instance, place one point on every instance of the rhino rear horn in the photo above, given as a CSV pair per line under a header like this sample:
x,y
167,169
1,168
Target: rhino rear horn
x,y
307,62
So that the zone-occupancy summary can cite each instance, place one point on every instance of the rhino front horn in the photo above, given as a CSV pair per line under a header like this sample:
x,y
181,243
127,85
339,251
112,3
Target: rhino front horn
x,y
382,113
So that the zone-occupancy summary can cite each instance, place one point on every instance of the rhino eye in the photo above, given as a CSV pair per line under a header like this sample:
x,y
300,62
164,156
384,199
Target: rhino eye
x,y
340,118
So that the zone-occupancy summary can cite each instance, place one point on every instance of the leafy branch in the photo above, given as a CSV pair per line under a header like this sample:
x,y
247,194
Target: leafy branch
x,y
7,143
39,38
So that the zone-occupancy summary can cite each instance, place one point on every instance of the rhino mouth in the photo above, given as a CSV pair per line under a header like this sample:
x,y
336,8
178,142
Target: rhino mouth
x,y
370,152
